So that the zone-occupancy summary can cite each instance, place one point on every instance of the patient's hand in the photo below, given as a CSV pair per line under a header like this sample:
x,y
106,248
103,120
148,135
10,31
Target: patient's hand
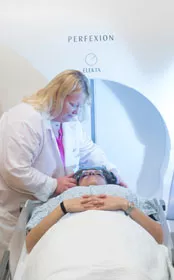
x,y
80,204
113,203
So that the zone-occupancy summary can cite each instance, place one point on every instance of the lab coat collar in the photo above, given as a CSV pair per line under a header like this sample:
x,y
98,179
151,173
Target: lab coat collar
x,y
50,124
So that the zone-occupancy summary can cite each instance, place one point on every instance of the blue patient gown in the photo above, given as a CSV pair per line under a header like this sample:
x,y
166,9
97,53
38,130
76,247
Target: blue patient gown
x,y
148,206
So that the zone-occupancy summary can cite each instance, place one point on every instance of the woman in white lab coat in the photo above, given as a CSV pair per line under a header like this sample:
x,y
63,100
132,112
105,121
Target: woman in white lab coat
x,y
41,144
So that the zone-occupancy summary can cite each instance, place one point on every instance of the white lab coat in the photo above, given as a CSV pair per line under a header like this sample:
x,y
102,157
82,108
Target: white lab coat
x,y
30,160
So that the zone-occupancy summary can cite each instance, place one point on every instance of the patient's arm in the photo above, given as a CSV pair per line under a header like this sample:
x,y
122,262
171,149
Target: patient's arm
x,y
71,205
118,203
37,232
148,224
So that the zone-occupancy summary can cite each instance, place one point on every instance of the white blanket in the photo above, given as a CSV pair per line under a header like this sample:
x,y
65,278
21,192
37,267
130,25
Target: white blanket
x,y
97,245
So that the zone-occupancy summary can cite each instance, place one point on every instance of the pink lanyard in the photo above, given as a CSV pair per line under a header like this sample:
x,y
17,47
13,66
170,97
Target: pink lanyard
x,y
59,140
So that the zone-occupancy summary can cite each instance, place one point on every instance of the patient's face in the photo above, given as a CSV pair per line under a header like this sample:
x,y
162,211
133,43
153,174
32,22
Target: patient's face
x,y
92,177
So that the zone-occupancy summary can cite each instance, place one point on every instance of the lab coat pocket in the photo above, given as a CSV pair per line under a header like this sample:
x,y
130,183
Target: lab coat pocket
x,y
7,219
7,226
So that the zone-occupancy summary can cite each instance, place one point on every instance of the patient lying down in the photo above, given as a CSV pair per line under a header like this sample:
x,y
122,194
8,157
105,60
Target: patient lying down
x,y
97,230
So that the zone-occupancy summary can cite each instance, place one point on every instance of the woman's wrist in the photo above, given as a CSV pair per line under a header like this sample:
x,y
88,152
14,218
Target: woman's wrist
x,y
63,208
124,204
67,207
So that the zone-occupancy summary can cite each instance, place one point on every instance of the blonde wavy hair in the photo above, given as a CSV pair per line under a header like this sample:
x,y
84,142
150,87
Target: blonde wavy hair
x,y
51,98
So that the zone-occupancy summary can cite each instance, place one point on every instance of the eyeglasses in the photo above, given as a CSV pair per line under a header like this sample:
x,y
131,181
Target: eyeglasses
x,y
76,106
91,172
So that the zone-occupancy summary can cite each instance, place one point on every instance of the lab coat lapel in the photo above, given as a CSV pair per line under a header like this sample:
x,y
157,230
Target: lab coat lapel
x,y
52,130
71,148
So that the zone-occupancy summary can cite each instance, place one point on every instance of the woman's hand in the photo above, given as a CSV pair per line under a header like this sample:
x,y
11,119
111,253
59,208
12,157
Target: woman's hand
x,y
64,183
123,184
120,181
87,202
113,203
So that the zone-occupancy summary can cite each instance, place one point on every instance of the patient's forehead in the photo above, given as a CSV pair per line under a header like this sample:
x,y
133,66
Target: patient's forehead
x,y
91,170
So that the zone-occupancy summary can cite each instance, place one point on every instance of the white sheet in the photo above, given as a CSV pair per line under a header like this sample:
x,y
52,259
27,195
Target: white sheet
x,y
97,245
